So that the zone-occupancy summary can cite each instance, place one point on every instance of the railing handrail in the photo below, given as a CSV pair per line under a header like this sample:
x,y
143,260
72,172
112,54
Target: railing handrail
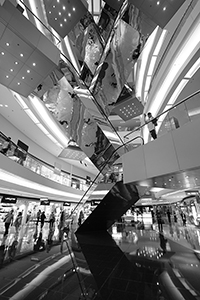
x,y
164,112
46,164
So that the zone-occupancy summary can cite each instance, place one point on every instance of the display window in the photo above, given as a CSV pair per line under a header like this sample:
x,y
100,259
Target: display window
x,y
24,221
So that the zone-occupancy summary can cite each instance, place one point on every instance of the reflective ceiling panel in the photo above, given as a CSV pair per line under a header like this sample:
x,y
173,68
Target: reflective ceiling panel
x,y
160,11
26,56
64,15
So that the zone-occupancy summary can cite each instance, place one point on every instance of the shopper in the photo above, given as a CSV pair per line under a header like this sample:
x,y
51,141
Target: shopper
x,y
8,221
151,123
38,217
6,146
42,219
169,216
159,220
51,220
18,221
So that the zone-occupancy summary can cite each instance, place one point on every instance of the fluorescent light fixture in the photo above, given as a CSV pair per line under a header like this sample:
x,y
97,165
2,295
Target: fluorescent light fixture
x,y
50,123
43,128
14,179
160,42
102,192
52,138
177,91
147,84
194,112
19,100
189,47
144,59
145,96
193,69
151,66
32,116
156,189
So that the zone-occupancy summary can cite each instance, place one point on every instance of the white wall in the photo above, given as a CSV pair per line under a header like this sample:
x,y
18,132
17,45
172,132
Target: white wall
x,y
175,151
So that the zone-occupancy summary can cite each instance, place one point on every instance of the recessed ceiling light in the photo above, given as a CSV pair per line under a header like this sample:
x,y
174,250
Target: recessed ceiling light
x,y
21,54
59,13
18,83
65,20
28,71
64,7
158,2
2,53
61,25
34,64
49,12
74,8
1,105
69,14
7,44
6,105
55,19
58,1
7,76
16,62
11,70
164,8
54,6
23,77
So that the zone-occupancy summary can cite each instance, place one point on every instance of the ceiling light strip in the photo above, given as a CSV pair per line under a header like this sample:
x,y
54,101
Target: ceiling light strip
x,y
49,122
8,177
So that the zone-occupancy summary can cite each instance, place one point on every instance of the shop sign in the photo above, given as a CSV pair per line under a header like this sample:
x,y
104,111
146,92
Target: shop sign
x,y
8,199
44,201
66,204
95,202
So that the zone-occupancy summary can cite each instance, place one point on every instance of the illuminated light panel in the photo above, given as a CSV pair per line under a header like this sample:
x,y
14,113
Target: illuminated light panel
x,y
190,44
177,91
32,116
147,84
8,177
151,66
144,59
43,129
160,42
20,100
193,69
44,115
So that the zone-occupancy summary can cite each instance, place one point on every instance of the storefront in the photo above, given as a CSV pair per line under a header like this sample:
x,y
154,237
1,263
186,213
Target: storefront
x,y
22,237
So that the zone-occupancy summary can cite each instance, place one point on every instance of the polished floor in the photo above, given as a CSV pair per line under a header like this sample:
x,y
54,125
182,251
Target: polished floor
x,y
123,263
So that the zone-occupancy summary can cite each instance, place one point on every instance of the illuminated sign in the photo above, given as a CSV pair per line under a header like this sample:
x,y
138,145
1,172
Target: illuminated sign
x,y
66,204
44,201
8,199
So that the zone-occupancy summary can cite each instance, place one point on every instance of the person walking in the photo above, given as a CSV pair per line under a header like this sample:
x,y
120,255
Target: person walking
x,y
151,123
169,216
18,221
38,217
159,220
8,221
42,219
51,220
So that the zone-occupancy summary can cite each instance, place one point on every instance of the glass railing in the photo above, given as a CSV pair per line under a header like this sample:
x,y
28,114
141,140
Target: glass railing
x,y
36,165
174,116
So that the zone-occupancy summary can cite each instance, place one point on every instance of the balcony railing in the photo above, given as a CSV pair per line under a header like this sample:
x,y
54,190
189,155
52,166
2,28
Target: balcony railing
x,y
42,168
